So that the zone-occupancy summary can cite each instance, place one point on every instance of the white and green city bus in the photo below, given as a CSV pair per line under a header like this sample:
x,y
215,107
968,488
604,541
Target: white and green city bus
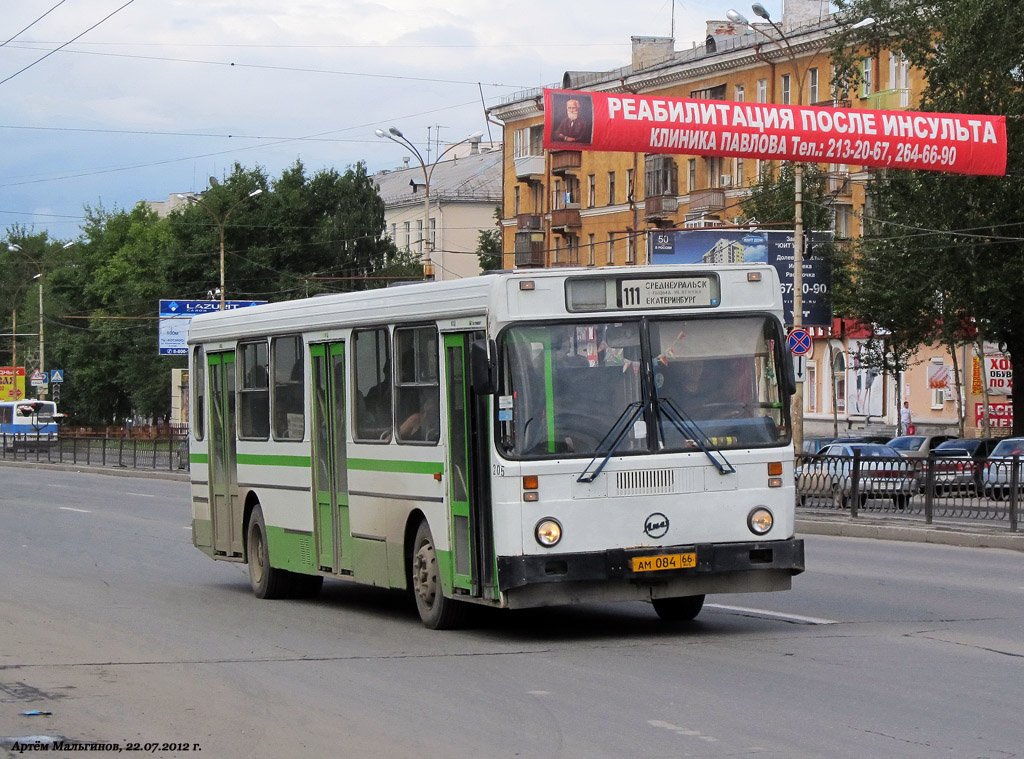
x,y
514,440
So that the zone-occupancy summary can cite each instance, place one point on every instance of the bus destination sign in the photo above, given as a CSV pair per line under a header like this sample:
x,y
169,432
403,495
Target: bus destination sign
x,y
668,292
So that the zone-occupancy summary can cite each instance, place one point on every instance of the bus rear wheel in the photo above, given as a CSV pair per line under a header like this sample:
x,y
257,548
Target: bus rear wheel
x,y
678,609
266,581
436,611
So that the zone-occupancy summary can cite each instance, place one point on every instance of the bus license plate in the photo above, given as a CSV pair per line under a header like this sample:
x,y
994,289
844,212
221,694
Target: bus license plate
x,y
664,561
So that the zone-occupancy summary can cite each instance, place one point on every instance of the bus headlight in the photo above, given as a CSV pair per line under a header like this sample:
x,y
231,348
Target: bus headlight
x,y
548,532
760,521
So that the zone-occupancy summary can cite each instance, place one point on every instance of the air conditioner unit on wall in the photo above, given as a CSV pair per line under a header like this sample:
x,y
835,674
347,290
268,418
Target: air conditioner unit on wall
x,y
726,180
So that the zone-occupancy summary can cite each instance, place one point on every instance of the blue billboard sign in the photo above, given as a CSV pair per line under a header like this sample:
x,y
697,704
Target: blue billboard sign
x,y
715,246
176,314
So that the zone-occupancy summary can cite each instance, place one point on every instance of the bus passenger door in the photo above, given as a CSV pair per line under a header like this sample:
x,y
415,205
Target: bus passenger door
x,y
330,456
467,464
225,511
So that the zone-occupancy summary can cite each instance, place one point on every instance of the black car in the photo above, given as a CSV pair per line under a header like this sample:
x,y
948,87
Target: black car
x,y
959,463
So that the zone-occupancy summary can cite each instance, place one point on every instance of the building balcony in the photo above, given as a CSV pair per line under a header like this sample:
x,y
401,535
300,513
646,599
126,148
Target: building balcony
x,y
565,219
529,168
832,104
711,199
566,161
529,221
839,184
529,249
660,208
889,100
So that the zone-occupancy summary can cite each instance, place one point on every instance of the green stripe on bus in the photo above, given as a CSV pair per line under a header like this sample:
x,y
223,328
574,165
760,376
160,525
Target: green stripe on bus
x,y
199,458
269,459
408,467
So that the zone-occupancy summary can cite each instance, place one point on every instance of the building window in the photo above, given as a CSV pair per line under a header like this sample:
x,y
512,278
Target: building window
x,y
844,222
611,249
630,248
839,383
709,93
660,176
785,89
762,90
867,73
591,253
394,233
812,86
371,366
691,173
419,235
739,93
630,189
611,188
254,391
405,235
416,385
431,233
557,258
557,197
591,191
713,166
737,172
287,388
516,200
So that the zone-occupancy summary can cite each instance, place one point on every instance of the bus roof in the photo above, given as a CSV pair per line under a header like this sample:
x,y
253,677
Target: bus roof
x,y
498,295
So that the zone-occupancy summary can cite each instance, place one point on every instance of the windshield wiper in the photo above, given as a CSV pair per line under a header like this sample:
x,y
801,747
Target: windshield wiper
x,y
692,431
616,434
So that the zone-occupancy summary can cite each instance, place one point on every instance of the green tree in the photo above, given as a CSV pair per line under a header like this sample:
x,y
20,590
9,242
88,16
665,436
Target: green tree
x,y
488,246
958,237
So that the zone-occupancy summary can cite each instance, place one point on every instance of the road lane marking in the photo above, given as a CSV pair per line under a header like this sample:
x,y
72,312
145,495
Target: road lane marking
x,y
142,495
795,619
80,511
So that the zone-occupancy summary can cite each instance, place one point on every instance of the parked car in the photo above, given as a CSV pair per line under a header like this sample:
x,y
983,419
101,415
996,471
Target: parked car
x,y
815,444
879,439
999,468
917,446
884,473
959,463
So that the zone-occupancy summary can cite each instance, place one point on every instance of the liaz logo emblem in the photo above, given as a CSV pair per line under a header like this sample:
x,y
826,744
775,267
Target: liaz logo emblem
x,y
656,525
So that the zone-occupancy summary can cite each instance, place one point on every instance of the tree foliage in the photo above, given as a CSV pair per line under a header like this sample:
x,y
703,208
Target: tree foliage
x,y
302,235
941,253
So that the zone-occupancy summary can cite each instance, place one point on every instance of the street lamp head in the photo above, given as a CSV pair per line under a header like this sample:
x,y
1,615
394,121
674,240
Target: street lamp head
x,y
13,247
759,10
475,137
736,17
68,245
380,133
256,192
214,182
863,22
395,131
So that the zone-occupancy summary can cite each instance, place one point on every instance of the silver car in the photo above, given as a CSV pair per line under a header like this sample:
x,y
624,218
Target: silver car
x,y
883,474
999,468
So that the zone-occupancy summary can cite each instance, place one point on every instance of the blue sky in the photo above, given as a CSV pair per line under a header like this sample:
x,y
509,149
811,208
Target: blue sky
x,y
154,96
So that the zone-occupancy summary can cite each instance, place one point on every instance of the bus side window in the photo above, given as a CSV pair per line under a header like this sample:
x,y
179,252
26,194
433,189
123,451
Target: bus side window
x,y
287,392
371,365
254,391
416,386
198,381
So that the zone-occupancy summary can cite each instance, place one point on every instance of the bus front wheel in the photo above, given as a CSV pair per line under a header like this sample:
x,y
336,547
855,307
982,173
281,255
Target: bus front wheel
x,y
678,609
266,581
436,611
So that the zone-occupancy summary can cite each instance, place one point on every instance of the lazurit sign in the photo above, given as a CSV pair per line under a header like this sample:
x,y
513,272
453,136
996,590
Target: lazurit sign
x,y
949,142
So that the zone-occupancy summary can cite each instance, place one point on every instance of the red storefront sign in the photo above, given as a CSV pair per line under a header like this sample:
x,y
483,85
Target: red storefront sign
x,y
999,414
948,142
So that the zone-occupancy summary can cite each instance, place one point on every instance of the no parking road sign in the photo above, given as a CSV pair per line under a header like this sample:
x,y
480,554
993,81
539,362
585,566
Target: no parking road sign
x,y
800,342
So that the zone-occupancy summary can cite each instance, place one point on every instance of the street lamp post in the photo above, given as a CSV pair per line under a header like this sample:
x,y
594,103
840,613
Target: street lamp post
x,y
395,135
221,222
783,43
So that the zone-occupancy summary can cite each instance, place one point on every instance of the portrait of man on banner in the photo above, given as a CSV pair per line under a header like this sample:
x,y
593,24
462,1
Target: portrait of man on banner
x,y
572,119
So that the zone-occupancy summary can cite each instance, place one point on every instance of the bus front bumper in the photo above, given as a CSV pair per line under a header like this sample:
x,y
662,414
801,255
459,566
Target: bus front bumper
x,y
777,556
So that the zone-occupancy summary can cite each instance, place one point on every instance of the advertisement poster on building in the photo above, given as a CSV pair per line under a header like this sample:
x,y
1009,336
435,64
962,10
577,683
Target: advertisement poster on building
x,y
998,371
867,395
714,246
12,383
999,415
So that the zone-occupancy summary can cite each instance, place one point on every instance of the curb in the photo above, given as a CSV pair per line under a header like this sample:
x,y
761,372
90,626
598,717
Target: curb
x,y
965,537
152,474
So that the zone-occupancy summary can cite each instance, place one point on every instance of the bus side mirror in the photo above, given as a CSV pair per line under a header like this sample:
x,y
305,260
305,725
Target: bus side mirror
x,y
481,368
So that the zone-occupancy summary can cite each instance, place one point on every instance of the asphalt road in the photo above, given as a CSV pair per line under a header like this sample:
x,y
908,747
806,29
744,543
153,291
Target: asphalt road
x,y
111,621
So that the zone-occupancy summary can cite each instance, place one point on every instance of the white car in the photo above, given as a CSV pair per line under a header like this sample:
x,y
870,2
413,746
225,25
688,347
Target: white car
x,y
999,468
884,473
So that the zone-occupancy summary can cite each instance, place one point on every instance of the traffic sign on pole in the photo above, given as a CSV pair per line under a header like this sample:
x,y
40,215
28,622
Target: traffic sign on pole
x,y
799,341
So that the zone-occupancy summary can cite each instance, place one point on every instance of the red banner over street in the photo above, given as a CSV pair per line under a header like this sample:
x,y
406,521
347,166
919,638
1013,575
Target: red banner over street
x,y
949,142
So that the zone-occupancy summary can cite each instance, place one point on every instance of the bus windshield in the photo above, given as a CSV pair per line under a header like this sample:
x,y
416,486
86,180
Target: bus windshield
x,y
672,384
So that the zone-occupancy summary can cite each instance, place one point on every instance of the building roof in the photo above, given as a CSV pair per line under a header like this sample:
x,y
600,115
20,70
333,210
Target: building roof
x,y
469,179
